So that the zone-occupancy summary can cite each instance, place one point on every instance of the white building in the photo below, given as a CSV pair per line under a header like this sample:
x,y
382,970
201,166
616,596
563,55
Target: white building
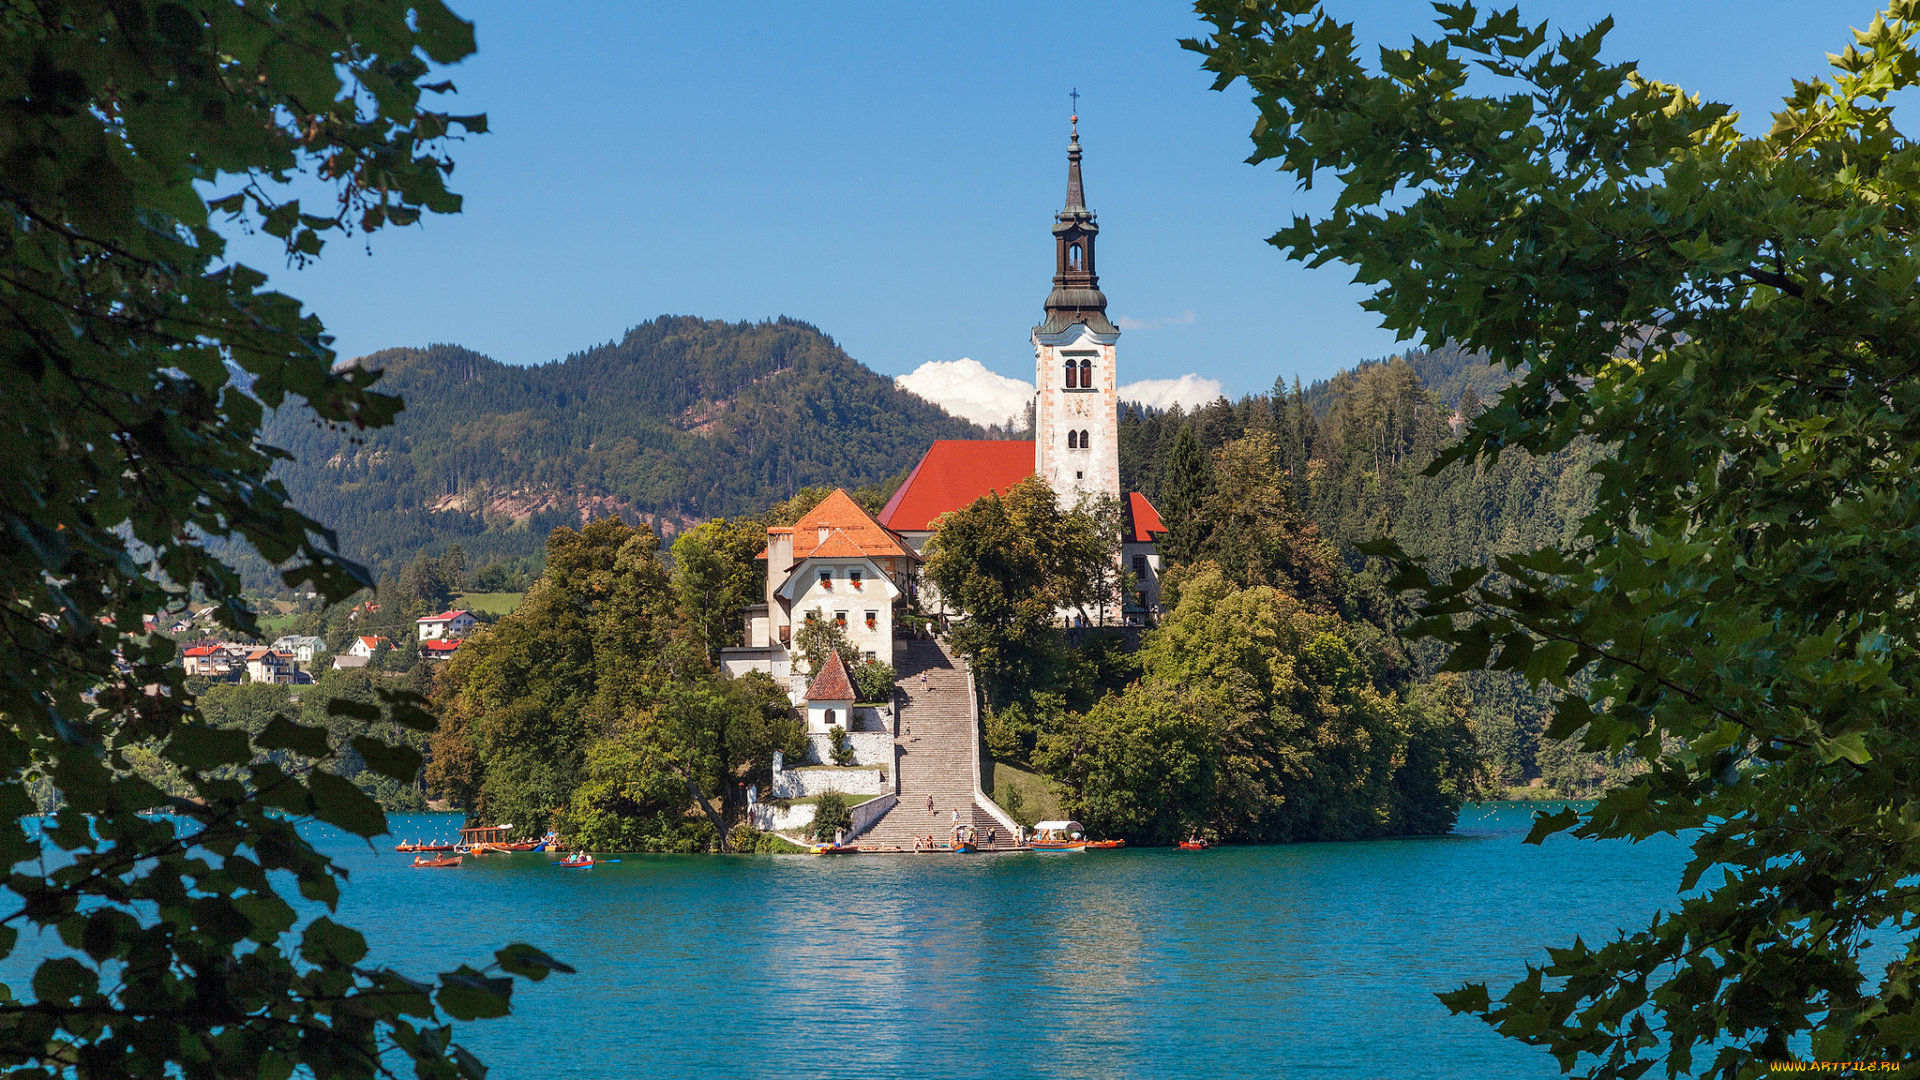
x,y
450,625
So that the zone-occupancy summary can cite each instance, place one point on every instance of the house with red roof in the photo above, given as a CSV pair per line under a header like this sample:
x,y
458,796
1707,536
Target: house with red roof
x,y
438,648
451,625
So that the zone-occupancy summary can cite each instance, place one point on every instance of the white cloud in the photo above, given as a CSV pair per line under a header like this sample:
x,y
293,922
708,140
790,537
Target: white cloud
x,y
965,388
1128,322
1190,390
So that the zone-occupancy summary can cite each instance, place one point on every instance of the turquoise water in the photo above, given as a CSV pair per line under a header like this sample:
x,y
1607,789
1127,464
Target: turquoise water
x,y
1317,960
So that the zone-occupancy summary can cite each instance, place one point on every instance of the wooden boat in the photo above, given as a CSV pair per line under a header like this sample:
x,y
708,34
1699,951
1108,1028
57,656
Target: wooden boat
x,y
519,845
1194,844
419,861
411,846
835,849
1105,845
581,861
1059,836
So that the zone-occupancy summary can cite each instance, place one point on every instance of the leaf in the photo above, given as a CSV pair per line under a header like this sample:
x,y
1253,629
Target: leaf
x,y
402,763
327,942
283,734
353,710
1545,825
1471,998
337,802
466,994
200,748
529,962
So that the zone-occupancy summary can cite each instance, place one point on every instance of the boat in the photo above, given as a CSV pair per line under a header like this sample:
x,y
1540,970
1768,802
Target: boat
x,y
1194,843
419,861
582,861
1059,836
964,840
411,846
834,849
1105,845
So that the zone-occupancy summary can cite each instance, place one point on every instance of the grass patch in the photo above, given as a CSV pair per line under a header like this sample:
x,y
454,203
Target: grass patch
x,y
809,800
1028,797
492,603
275,626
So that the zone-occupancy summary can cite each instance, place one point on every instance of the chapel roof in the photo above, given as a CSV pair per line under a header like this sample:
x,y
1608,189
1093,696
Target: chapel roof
x,y
1142,520
952,474
832,683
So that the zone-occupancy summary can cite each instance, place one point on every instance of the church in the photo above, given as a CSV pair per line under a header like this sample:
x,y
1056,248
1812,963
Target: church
x,y
840,563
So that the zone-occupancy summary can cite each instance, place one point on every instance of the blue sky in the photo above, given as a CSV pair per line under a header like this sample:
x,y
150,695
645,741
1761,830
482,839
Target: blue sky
x,y
888,173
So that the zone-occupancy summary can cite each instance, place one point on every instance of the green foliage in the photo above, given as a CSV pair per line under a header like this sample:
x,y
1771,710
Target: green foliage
x,y
594,707
139,362
715,576
679,421
818,638
874,681
1733,318
840,747
1259,719
831,813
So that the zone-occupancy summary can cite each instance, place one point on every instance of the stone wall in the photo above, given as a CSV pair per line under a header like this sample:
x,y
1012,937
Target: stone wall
x,y
806,782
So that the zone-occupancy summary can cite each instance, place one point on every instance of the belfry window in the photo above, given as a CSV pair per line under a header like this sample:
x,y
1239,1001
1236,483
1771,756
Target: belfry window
x,y
1073,440
1073,257
1072,371
1086,374
1086,440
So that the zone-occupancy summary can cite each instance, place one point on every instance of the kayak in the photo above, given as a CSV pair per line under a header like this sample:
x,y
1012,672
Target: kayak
x,y
577,864
834,849
1105,845
1194,845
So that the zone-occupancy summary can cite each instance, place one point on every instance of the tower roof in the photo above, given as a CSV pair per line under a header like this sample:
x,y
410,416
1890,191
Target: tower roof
x,y
832,683
1076,295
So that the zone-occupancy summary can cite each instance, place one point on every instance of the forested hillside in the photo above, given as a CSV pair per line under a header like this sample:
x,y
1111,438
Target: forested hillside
x,y
683,419
1348,454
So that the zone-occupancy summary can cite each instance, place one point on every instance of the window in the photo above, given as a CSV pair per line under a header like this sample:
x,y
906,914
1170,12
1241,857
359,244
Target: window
x,y
1086,374
830,717
873,621
1079,475
814,615
1072,375
853,578
1073,440
870,656
826,580
1086,441
1140,567
1073,257
840,619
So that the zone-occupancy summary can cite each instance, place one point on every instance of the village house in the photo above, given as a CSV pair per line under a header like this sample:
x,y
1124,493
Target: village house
x,y
302,646
450,625
438,649
264,665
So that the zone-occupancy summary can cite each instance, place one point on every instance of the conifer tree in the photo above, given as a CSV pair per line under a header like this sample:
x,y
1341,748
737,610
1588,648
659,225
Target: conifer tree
x,y
1183,495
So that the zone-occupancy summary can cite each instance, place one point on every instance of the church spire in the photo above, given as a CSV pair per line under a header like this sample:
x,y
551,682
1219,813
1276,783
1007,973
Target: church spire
x,y
1076,295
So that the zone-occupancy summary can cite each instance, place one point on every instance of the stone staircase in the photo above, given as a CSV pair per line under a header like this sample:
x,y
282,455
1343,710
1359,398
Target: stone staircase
x,y
934,750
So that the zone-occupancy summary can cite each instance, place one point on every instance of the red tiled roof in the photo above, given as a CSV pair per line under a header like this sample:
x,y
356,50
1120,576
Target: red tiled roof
x,y
1142,519
445,616
832,683
440,645
838,513
952,475
371,642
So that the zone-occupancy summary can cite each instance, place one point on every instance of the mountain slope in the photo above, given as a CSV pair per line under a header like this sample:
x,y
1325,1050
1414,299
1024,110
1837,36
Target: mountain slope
x,y
683,419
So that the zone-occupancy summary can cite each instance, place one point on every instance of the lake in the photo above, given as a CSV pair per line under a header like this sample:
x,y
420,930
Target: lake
x,y
1311,960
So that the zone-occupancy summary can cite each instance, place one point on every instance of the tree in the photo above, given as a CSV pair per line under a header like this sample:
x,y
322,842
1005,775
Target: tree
x,y
139,363
1009,563
716,576
1732,317
1184,490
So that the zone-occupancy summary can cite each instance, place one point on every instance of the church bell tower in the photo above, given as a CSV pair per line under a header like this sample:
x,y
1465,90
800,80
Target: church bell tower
x,y
1076,425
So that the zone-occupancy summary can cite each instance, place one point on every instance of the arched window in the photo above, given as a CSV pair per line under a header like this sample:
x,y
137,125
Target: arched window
x,y
1086,441
1073,440
830,718
1071,372
1086,374
1073,257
